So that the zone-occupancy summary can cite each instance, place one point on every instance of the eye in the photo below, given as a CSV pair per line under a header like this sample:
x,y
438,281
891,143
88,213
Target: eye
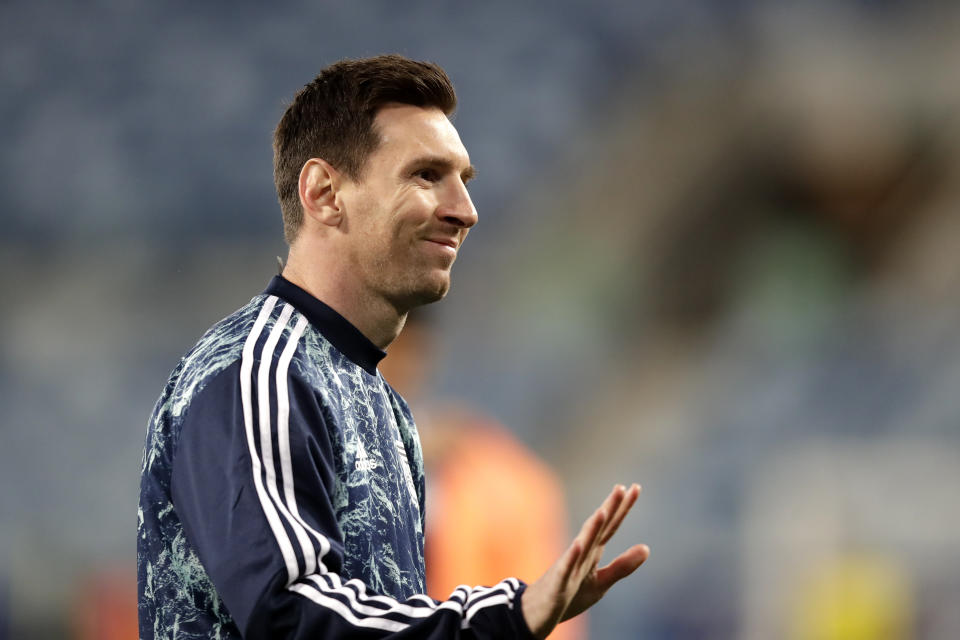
x,y
427,175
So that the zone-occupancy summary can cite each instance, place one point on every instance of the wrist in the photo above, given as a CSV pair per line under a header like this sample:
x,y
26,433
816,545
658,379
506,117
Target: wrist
x,y
536,612
523,624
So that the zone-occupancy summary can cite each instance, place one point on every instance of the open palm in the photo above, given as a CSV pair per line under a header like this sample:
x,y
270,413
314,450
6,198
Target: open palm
x,y
576,582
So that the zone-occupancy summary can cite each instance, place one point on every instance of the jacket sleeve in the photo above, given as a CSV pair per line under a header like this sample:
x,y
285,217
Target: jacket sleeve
x,y
253,477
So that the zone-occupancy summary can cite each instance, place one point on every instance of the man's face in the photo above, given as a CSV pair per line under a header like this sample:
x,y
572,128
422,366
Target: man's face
x,y
410,212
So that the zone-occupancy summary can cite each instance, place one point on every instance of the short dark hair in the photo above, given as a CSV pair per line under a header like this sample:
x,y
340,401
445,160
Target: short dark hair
x,y
333,116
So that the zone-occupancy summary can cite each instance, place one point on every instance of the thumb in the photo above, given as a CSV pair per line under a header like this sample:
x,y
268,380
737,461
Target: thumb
x,y
622,566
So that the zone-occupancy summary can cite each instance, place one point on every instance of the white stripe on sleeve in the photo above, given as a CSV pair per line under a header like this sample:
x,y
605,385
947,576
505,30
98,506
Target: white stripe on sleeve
x,y
337,606
266,435
246,370
313,558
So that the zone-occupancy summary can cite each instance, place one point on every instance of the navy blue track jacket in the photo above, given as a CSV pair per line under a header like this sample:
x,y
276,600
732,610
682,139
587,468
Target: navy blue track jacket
x,y
282,492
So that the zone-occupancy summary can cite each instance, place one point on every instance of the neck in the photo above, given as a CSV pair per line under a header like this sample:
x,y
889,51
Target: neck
x,y
375,317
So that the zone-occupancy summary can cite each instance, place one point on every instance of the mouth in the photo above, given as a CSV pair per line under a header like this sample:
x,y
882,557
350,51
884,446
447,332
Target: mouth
x,y
447,242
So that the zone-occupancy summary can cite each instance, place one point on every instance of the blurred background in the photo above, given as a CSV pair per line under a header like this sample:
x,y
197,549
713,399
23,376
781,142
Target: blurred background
x,y
719,255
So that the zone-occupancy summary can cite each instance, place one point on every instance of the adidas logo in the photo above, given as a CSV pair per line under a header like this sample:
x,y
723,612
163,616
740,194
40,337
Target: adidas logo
x,y
363,463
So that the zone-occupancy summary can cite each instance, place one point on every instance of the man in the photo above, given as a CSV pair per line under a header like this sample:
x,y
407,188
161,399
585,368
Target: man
x,y
282,484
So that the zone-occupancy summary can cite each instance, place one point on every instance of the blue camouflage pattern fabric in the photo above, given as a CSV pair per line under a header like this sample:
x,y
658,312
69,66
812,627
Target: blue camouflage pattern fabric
x,y
282,492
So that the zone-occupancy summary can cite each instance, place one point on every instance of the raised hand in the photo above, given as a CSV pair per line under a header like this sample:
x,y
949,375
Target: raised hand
x,y
575,583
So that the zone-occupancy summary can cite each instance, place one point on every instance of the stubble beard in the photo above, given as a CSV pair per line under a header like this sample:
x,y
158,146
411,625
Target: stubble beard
x,y
422,289
419,284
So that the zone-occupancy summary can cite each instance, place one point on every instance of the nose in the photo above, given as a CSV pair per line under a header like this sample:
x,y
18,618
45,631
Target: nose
x,y
457,208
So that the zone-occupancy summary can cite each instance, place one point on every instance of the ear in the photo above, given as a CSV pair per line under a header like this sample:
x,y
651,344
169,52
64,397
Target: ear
x,y
318,185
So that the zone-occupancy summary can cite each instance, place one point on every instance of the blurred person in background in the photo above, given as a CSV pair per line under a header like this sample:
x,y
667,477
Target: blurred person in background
x,y
475,467
282,477
853,595
104,606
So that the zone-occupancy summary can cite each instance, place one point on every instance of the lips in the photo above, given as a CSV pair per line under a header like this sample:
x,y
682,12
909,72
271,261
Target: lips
x,y
450,242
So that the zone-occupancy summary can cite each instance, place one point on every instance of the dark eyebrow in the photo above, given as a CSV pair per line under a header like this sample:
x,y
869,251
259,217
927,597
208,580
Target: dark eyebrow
x,y
443,164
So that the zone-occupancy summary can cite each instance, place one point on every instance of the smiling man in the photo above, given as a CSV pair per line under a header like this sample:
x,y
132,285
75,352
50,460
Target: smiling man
x,y
406,214
282,487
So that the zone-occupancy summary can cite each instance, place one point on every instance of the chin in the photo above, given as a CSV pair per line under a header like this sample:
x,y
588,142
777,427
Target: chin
x,y
418,289
433,295
430,292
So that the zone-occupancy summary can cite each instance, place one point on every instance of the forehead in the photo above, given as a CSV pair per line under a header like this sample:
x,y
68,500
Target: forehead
x,y
407,131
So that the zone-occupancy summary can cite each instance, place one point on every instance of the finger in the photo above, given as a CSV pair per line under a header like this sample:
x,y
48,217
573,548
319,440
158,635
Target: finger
x,y
588,536
568,561
622,566
612,503
591,529
617,512
608,509
626,504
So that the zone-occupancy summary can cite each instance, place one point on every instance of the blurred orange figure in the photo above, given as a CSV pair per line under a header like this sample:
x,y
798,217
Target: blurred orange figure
x,y
493,508
105,605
